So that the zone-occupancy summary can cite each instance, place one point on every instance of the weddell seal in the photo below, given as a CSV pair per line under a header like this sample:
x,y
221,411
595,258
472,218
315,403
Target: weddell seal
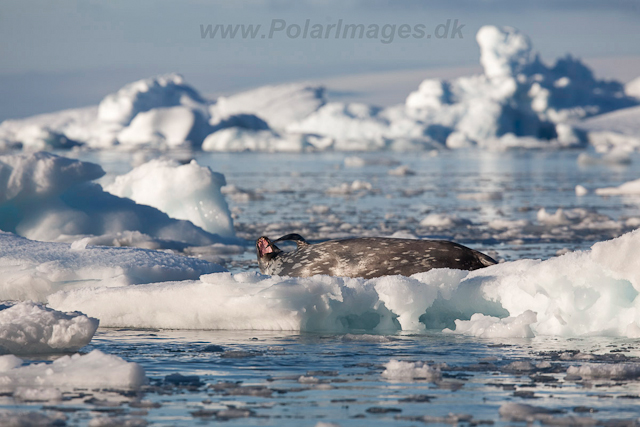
x,y
366,257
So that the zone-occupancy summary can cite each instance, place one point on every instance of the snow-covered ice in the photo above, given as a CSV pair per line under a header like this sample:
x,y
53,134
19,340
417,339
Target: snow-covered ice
x,y
580,293
52,198
29,328
398,370
33,270
93,370
605,371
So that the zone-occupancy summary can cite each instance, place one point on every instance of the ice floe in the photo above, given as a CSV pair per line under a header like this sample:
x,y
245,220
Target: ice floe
x,y
52,198
398,370
580,293
93,370
33,270
29,328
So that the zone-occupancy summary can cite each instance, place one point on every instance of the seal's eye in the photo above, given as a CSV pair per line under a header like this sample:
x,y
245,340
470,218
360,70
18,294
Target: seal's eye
x,y
264,247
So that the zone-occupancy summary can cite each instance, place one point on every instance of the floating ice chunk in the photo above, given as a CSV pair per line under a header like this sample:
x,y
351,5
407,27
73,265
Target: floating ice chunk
x,y
398,370
581,191
403,170
357,187
190,192
558,218
37,394
93,370
29,328
34,270
443,221
619,371
492,327
70,206
628,188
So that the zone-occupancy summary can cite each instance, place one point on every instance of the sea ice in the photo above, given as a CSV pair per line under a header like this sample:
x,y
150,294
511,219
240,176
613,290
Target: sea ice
x,y
33,270
590,292
51,198
29,328
93,370
518,101
398,370
605,371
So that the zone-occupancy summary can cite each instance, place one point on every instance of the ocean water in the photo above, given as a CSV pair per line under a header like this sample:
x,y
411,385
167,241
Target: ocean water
x,y
302,379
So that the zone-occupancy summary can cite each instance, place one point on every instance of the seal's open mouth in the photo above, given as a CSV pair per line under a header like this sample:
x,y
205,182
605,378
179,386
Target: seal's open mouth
x,y
264,246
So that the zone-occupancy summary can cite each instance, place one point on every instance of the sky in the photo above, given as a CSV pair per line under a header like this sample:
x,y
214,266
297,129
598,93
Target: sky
x,y
66,54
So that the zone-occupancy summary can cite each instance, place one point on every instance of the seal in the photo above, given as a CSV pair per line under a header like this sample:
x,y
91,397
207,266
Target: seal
x,y
366,257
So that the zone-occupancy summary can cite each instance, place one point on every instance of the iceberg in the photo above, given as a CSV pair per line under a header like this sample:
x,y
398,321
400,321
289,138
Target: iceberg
x,y
517,102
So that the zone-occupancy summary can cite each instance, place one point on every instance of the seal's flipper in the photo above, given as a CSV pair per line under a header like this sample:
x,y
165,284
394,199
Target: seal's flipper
x,y
293,237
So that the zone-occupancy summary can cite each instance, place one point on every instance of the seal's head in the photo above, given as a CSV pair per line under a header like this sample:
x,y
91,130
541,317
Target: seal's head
x,y
267,251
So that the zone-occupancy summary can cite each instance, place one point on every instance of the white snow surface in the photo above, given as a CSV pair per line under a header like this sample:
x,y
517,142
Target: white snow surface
x,y
33,270
518,101
190,192
590,292
29,328
52,198
93,370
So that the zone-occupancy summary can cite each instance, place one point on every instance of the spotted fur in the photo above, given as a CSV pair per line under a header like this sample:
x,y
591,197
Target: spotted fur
x,y
366,257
